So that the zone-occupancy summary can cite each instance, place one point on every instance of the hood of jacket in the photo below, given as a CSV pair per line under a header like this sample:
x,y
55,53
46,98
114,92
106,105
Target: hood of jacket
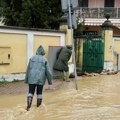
x,y
40,51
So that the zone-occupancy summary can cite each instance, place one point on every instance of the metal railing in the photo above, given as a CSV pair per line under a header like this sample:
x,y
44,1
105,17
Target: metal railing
x,y
98,12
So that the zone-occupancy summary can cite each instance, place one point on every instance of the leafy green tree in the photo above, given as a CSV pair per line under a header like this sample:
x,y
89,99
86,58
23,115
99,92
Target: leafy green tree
x,y
54,13
11,12
2,3
32,13
79,31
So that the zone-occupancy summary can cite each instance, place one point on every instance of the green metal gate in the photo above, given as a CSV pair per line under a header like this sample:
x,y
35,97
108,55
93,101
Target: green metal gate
x,y
93,54
89,52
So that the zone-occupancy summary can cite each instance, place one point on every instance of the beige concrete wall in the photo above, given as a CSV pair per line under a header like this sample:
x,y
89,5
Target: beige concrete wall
x,y
116,50
17,43
108,49
112,49
79,54
68,37
108,56
117,45
64,26
22,44
46,41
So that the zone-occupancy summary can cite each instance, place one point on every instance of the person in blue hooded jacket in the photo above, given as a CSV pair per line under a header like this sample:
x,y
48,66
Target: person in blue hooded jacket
x,y
37,71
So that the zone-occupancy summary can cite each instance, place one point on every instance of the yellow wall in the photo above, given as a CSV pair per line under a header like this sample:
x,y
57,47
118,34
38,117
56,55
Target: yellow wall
x,y
17,44
79,54
20,45
45,41
68,41
108,45
68,37
116,50
117,46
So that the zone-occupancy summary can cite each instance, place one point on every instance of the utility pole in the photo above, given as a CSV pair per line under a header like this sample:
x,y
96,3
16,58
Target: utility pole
x,y
68,6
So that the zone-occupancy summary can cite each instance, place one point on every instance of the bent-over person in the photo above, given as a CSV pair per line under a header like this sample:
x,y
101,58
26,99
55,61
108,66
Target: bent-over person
x,y
61,64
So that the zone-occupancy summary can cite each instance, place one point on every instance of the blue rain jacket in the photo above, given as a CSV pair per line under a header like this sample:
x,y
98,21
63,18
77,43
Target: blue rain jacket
x,y
38,69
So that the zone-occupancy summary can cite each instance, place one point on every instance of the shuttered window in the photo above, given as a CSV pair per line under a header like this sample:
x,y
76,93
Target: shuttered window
x,y
83,3
109,3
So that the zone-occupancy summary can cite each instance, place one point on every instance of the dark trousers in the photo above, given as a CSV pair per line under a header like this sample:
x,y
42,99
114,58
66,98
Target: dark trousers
x,y
38,88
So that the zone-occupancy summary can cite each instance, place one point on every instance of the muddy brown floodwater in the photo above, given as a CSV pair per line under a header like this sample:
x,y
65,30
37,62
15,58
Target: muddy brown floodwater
x,y
98,98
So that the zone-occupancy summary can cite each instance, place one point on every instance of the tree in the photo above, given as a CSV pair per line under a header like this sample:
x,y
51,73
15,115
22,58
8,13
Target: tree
x,y
2,4
11,12
32,13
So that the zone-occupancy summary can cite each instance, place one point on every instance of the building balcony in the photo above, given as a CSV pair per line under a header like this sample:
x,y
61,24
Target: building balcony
x,y
98,12
96,16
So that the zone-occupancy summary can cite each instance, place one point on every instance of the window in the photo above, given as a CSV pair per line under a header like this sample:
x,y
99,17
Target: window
x,y
83,3
109,3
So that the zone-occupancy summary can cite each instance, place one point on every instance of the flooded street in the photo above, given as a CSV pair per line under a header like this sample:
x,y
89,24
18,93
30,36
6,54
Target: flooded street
x,y
98,98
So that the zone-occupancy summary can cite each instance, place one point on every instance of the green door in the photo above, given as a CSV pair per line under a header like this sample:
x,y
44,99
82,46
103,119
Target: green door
x,y
93,56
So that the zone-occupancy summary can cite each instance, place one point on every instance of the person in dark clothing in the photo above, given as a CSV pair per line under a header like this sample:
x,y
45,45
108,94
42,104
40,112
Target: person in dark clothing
x,y
37,71
61,64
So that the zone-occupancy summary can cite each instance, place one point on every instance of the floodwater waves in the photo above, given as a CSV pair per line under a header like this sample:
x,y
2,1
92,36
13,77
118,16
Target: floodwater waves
x,y
97,98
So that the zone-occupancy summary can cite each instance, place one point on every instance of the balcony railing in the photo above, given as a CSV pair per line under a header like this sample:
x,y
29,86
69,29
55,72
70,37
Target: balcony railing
x,y
98,12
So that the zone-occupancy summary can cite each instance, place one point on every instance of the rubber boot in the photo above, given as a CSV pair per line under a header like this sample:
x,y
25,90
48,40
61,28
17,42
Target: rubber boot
x,y
39,101
67,76
62,75
29,102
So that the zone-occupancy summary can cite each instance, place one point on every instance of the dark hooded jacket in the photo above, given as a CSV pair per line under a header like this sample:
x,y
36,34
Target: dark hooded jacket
x,y
63,57
38,69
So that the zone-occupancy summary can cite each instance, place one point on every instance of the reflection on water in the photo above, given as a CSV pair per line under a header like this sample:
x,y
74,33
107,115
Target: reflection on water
x,y
98,98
